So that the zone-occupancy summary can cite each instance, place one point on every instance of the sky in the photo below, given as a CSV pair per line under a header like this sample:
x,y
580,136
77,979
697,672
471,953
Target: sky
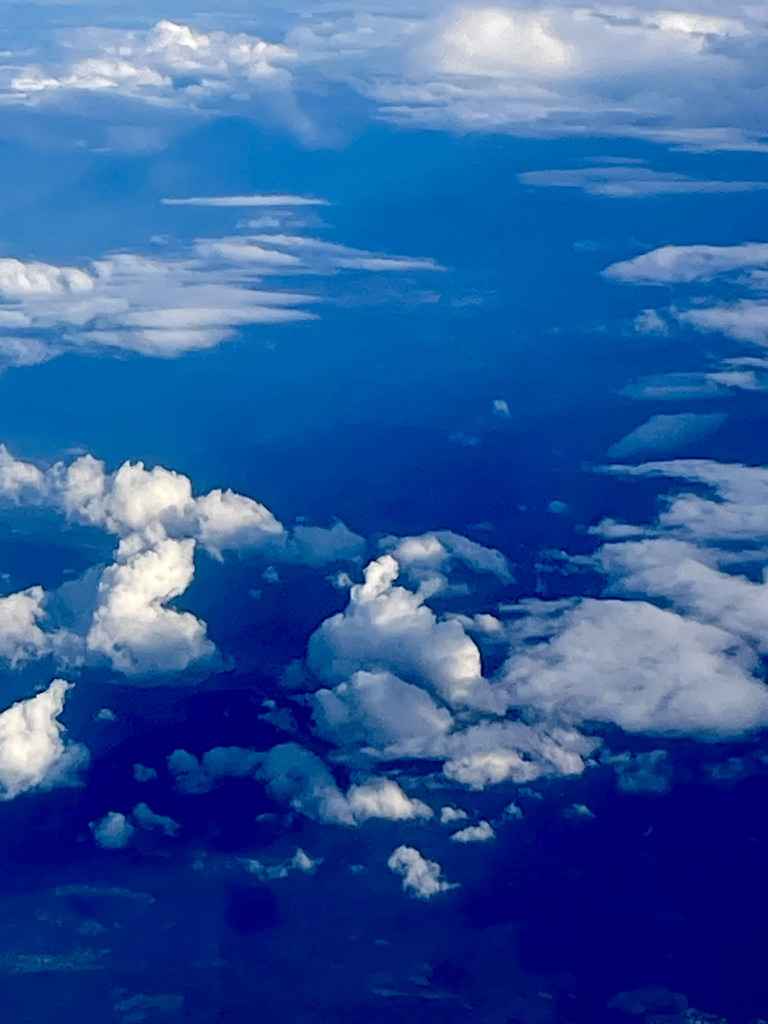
x,y
383,532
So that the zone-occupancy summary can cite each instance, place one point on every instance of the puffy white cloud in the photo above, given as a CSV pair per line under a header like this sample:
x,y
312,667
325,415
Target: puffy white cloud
x,y
642,668
436,551
683,264
21,638
664,433
34,750
389,628
384,798
510,66
112,832
480,833
19,279
378,710
422,878
300,863
491,753
449,815
159,522
131,626
18,479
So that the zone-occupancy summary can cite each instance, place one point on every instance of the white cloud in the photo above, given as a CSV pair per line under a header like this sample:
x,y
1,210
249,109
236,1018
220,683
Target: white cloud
x,y
160,523
378,710
383,798
440,549
422,878
21,638
734,510
247,201
665,433
166,305
449,815
642,668
389,628
558,70
633,182
300,863
480,833
34,750
683,264
112,832
131,626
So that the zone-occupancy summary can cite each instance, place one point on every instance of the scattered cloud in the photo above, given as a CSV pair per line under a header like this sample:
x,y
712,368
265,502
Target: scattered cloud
x,y
34,750
421,878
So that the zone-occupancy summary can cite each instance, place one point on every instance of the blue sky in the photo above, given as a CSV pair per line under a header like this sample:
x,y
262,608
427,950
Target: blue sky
x,y
382,493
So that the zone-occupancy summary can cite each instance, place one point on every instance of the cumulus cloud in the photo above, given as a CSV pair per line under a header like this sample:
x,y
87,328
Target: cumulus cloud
x,y
383,798
421,878
449,815
300,863
480,833
642,668
439,550
378,710
112,832
160,523
34,750
389,628
505,67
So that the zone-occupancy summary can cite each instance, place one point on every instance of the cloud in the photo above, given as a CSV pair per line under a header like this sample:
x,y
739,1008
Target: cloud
x,y
167,305
688,578
633,182
733,510
422,878
746,320
449,815
378,710
148,820
122,609
383,798
300,863
21,638
112,832
507,67
664,433
684,264
639,667
480,833
132,628
389,628
440,550
247,201
34,750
